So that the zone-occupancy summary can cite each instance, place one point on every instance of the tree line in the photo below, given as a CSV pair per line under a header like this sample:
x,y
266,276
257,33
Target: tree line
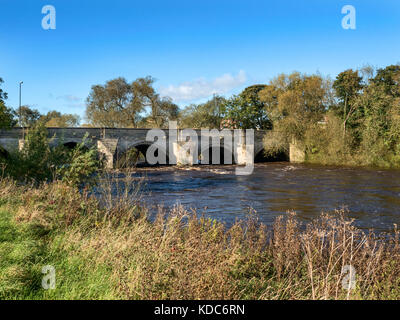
x,y
352,119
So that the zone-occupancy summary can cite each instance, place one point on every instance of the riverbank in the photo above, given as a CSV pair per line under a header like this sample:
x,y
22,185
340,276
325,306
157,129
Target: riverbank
x,y
114,252
354,162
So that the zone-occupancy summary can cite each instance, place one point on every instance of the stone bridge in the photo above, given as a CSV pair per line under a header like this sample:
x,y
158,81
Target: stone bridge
x,y
176,146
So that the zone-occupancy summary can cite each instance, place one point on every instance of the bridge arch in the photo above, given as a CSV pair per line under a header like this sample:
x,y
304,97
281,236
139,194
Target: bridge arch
x,y
261,156
73,144
4,154
134,153
219,152
70,145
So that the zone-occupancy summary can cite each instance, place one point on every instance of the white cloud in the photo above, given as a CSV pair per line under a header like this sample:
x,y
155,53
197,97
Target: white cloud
x,y
69,98
202,88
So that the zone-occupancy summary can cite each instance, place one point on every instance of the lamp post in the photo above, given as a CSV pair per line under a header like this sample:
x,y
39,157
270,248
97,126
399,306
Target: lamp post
x,y
20,114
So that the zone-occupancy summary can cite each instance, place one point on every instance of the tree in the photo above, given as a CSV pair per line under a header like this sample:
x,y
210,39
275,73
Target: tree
x,y
347,86
28,116
205,115
161,110
380,105
296,102
143,96
389,78
6,114
59,120
247,110
31,117
3,95
296,105
120,104
106,103
6,117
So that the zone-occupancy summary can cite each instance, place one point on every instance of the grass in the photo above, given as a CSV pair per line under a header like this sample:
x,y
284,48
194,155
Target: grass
x,y
24,250
21,251
112,251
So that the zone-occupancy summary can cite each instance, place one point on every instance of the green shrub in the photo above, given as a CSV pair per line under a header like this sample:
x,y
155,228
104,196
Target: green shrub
x,y
37,161
82,165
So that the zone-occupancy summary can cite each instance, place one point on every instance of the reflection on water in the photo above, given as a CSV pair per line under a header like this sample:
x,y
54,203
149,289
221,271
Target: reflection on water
x,y
372,196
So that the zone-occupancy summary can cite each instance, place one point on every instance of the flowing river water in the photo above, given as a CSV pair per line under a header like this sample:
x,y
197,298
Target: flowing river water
x,y
372,196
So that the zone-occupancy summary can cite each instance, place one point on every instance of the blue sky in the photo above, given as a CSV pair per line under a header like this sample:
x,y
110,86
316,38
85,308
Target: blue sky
x,y
192,48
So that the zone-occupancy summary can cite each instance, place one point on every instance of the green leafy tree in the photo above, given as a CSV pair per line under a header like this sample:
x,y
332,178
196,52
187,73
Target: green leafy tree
x,y
6,115
205,115
122,104
380,103
7,120
107,103
161,111
389,78
59,120
296,102
348,86
247,110
28,116
3,95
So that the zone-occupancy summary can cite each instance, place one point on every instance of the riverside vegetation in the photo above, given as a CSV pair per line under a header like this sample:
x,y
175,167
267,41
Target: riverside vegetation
x,y
353,120
112,251
106,247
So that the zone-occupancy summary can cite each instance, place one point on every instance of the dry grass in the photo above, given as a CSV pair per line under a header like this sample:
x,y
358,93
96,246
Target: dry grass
x,y
185,256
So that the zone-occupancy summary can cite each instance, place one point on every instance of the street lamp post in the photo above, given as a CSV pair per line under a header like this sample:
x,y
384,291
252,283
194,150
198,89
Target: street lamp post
x,y
20,114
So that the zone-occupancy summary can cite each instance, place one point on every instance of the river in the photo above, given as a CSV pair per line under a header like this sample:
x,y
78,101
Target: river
x,y
371,196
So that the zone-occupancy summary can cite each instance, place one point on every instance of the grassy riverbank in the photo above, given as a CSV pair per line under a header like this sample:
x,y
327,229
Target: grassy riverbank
x,y
113,252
